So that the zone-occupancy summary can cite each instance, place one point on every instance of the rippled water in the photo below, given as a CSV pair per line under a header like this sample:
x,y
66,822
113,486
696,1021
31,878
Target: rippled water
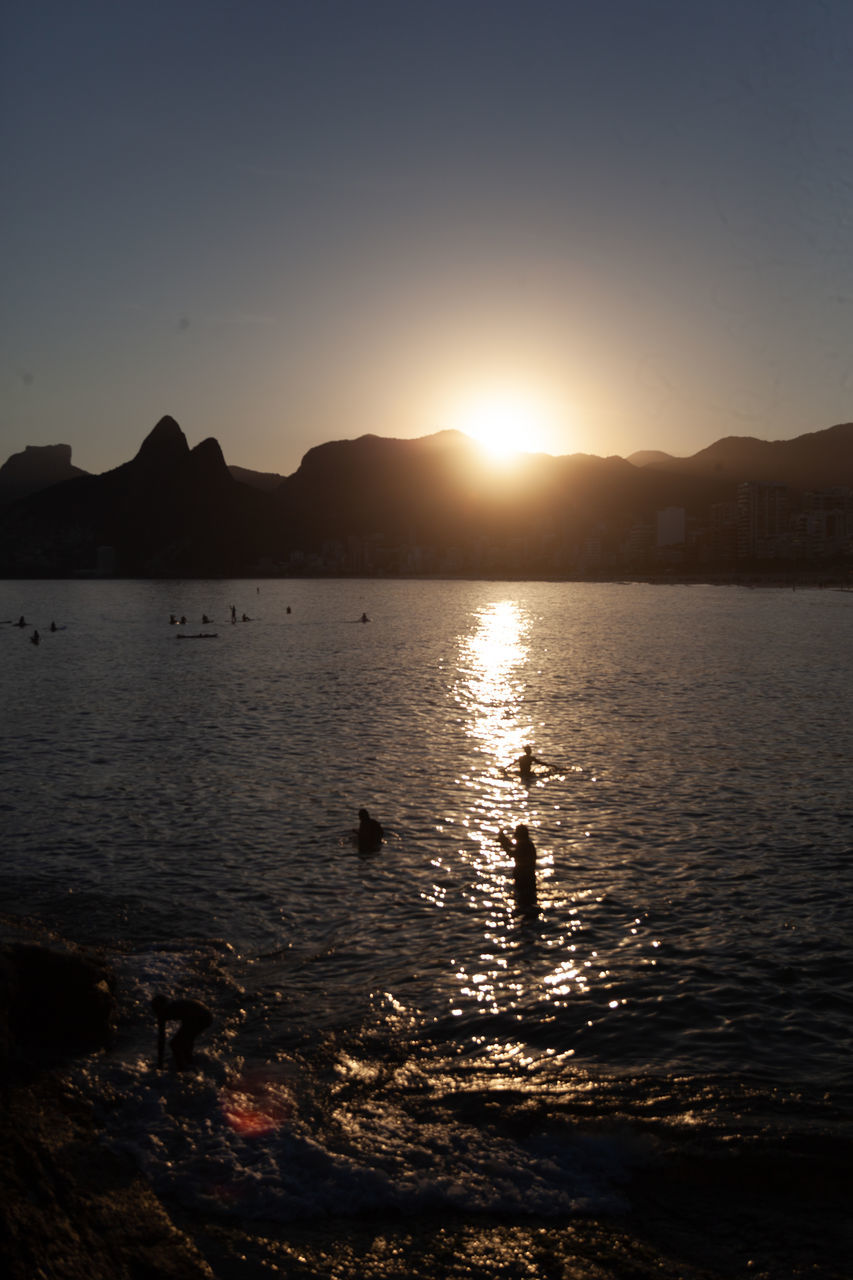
x,y
189,804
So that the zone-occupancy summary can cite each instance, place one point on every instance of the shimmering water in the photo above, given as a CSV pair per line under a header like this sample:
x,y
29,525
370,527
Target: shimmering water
x,y
389,1031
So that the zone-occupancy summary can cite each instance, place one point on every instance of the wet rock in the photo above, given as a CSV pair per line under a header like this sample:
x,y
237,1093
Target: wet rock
x,y
55,1000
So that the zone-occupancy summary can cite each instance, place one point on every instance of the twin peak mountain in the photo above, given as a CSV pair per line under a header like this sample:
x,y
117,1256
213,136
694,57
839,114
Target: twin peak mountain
x,y
176,510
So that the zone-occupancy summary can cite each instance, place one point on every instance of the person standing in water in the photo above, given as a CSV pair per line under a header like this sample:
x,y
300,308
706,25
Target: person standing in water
x,y
369,834
525,764
193,1017
523,852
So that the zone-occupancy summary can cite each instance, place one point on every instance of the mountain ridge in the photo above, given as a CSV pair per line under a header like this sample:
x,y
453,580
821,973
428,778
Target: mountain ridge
x,y
173,509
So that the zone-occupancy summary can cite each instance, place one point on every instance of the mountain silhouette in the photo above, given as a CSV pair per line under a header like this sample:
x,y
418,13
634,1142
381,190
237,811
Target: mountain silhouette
x,y
266,481
37,467
170,510
439,490
818,460
176,510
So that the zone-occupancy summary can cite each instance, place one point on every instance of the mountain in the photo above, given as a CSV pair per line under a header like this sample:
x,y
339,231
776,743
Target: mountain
x,y
170,510
434,503
818,460
266,481
649,457
38,467
438,490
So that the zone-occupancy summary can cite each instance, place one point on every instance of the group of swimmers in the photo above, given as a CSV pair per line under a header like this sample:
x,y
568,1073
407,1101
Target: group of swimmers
x,y
519,845
194,1017
35,638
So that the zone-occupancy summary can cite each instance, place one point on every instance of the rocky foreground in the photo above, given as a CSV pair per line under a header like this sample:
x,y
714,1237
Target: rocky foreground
x,y
68,1207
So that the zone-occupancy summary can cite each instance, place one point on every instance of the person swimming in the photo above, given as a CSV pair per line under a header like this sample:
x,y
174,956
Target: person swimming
x,y
523,852
193,1016
525,764
369,835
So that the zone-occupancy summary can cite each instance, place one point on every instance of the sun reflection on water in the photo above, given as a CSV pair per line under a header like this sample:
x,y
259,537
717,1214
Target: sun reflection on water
x,y
542,970
491,684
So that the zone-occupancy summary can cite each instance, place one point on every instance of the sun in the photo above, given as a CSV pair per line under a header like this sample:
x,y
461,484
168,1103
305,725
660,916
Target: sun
x,y
504,422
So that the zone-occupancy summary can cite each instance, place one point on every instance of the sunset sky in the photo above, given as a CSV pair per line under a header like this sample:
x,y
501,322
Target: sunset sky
x,y
603,227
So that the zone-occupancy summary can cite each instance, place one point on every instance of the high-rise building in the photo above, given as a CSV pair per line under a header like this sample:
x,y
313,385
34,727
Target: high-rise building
x,y
763,521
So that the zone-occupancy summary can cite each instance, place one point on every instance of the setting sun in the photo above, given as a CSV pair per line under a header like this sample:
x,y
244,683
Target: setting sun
x,y
504,422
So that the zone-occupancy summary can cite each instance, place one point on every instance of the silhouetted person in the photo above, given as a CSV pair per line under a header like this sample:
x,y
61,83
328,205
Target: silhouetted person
x,y
193,1017
35,638
523,852
246,618
364,618
288,608
22,622
525,764
233,613
173,621
53,626
369,834
183,619
204,619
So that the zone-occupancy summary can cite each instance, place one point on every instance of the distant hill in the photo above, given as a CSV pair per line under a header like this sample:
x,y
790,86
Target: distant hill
x,y
266,481
818,460
649,458
37,467
438,490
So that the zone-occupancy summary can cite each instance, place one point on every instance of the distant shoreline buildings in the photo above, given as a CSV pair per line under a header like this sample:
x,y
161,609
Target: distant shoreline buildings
x,y
762,529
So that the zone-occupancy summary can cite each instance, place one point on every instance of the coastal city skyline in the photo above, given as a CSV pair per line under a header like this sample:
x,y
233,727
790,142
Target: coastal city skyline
x,y
556,228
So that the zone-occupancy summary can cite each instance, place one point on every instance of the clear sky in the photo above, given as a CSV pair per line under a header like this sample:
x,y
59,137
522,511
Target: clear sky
x,y
612,225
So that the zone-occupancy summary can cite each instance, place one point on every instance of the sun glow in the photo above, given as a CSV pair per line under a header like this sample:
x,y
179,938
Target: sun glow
x,y
504,422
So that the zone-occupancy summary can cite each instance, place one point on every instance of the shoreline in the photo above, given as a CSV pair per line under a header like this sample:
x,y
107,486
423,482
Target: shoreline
x,y
782,579
71,1208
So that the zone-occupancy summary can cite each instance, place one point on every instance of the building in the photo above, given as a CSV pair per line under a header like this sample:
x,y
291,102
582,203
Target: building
x,y
671,527
763,516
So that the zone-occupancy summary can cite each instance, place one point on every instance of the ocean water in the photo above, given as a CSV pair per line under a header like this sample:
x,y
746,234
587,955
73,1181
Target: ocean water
x,y
390,1035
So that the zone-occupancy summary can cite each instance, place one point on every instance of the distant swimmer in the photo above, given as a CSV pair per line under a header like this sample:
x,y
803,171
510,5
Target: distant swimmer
x,y
173,621
193,1016
205,620
525,764
364,618
22,622
369,834
53,626
246,618
523,852
35,638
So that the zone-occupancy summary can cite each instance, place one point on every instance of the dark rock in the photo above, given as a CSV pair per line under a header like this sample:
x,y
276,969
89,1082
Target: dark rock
x,y
55,1001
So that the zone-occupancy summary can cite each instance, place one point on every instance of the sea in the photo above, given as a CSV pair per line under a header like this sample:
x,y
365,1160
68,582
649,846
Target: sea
x,y
395,1047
